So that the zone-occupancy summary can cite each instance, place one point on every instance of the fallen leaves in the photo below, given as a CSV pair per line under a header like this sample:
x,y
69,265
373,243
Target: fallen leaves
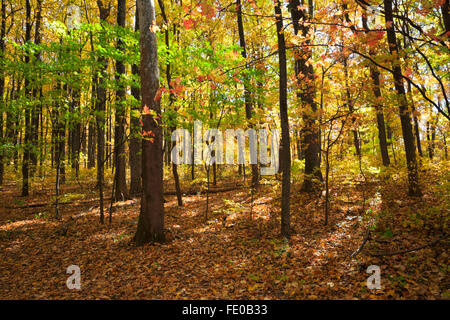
x,y
211,261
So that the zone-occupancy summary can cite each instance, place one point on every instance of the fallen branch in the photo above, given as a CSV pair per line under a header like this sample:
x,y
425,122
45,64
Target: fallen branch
x,y
169,193
407,250
211,191
361,247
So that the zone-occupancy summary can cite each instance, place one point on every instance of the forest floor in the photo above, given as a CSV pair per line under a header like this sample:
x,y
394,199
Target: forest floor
x,y
235,252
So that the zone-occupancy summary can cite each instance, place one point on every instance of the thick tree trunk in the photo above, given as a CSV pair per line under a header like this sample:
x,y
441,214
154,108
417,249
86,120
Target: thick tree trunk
x,y
121,190
405,116
151,219
306,92
285,151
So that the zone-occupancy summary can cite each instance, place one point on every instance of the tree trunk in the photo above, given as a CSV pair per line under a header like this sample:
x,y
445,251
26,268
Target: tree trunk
x,y
101,108
444,140
445,9
76,133
28,133
349,103
135,141
2,87
285,151
430,151
176,177
306,92
247,94
35,92
405,117
121,190
417,133
92,141
151,218
376,89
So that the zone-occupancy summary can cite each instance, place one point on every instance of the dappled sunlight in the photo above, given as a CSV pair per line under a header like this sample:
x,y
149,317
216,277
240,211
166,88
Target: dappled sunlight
x,y
231,150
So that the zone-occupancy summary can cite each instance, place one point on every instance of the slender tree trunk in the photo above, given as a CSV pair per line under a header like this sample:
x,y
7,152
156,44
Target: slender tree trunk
x,y
285,151
101,109
405,117
444,139
135,141
2,86
433,136
151,219
11,117
417,133
247,94
28,133
121,190
92,141
430,150
76,133
349,103
62,138
172,99
35,92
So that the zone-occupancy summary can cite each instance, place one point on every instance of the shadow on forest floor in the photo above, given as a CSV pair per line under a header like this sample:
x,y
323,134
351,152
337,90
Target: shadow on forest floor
x,y
233,253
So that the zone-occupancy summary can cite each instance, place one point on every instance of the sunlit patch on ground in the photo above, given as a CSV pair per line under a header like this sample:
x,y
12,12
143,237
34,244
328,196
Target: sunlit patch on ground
x,y
234,252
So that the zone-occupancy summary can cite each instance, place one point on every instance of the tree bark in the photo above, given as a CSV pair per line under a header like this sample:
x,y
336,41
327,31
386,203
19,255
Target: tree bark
x,y
376,89
101,109
151,218
375,75
247,94
135,141
417,133
121,191
28,133
92,141
36,92
349,103
445,9
285,151
304,72
76,134
405,116
2,86
176,177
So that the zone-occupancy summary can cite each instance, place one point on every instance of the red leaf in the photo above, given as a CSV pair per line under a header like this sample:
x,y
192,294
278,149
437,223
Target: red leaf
x,y
188,24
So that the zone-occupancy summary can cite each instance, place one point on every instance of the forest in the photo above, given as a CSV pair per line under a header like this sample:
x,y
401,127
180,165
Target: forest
x,y
224,149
